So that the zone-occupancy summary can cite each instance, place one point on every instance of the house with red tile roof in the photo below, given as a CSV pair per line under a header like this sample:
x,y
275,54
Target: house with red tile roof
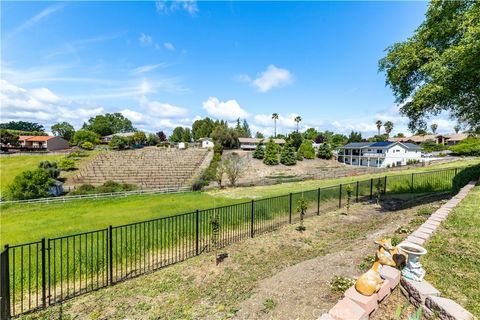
x,y
49,143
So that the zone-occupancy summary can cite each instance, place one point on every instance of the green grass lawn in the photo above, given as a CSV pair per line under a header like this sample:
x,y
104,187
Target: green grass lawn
x,y
453,259
31,222
13,165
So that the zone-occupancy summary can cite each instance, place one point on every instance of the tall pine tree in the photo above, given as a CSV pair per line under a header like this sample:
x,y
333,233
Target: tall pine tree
x,y
271,154
287,156
259,152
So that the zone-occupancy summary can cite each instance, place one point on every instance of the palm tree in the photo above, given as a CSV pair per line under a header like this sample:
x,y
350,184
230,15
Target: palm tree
x,y
388,127
379,125
297,120
457,128
275,118
434,127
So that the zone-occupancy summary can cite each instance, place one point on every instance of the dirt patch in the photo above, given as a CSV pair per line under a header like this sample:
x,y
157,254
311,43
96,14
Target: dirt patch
x,y
302,291
257,173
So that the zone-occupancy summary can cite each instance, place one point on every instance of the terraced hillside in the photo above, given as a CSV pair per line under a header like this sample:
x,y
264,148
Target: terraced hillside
x,y
148,168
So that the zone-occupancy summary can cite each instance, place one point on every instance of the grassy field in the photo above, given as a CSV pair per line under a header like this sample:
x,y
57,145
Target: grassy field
x,y
24,223
456,247
13,165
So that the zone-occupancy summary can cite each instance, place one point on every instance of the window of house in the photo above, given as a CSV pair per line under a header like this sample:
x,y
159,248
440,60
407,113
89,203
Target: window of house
x,y
379,150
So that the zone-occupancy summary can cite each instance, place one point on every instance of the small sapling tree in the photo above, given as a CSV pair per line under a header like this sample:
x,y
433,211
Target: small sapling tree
x,y
349,191
233,166
301,209
215,225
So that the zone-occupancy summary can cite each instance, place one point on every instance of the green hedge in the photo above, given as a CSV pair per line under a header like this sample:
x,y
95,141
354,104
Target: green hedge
x,y
464,177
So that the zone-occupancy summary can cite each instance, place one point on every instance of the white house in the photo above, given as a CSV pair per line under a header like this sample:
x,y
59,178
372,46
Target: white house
x,y
207,143
379,154
251,143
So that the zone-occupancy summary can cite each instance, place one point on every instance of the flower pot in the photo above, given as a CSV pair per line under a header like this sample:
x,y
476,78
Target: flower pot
x,y
413,269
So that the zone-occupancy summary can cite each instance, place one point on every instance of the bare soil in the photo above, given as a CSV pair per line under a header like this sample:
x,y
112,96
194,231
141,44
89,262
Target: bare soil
x,y
257,173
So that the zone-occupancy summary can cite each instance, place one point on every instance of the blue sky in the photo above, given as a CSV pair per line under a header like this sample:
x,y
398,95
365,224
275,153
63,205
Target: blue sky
x,y
167,63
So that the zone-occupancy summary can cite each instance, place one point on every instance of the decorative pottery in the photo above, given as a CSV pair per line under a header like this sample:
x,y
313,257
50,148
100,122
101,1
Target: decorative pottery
x,y
413,269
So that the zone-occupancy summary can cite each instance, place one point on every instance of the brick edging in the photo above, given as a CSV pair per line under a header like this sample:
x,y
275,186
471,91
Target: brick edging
x,y
355,306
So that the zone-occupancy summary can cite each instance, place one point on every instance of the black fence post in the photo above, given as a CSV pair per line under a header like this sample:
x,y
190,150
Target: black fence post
x,y
340,196
455,171
371,188
356,196
385,186
290,210
318,202
44,275
5,285
252,228
411,185
110,252
196,232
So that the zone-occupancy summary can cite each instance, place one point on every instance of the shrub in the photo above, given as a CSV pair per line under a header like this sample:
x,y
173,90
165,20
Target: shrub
x,y
259,151
210,173
66,164
287,155
271,154
430,146
153,139
325,152
307,150
234,166
87,145
107,187
139,138
467,147
50,167
81,136
119,143
299,156
112,186
30,184
465,176
77,153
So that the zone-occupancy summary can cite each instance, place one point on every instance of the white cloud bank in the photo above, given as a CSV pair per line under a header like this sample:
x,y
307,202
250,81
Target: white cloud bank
x,y
228,110
272,77
41,104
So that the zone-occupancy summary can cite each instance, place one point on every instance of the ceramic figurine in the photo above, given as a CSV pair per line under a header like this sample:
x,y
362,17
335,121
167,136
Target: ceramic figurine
x,y
370,282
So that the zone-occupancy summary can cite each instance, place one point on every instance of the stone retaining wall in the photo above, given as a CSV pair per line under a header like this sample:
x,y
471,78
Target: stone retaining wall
x,y
355,306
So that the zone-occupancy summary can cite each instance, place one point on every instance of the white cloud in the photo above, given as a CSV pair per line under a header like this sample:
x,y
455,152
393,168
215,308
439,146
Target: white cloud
x,y
37,18
43,94
169,46
133,115
145,40
41,104
148,67
160,109
229,110
168,6
271,78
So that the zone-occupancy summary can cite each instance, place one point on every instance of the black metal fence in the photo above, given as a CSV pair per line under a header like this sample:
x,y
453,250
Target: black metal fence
x,y
42,273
